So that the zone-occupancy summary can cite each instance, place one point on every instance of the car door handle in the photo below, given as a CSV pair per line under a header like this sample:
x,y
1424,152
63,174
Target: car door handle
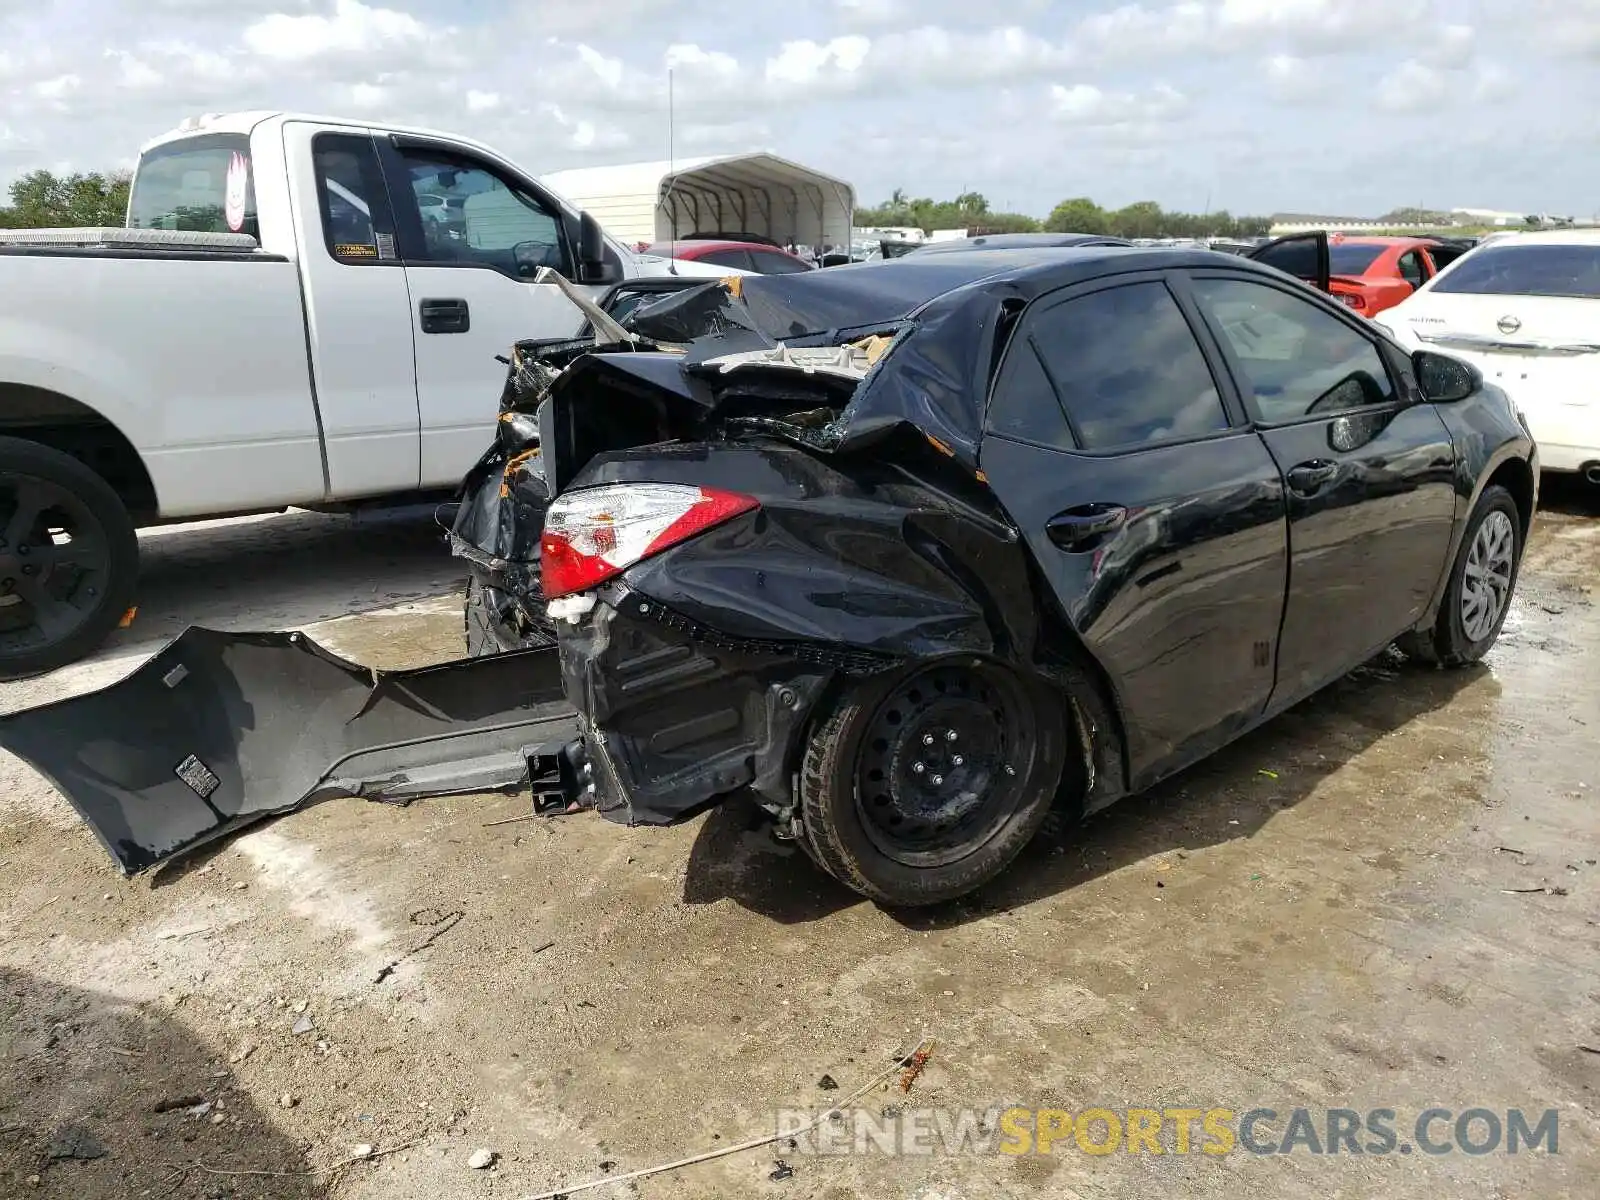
x,y
444,316
1307,477
1081,527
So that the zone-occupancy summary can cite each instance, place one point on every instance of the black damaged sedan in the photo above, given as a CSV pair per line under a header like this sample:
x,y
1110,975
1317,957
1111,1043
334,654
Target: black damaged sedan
x,y
919,550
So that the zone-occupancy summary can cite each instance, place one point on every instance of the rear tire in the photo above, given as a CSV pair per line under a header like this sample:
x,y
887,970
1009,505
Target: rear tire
x,y
898,810
69,559
1483,580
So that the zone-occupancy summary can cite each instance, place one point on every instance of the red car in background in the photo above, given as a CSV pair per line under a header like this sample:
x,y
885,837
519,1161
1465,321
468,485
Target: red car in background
x,y
745,256
1366,274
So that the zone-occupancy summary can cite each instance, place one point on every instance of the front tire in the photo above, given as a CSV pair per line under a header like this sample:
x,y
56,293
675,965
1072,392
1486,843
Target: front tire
x,y
69,559
918,788
1482,582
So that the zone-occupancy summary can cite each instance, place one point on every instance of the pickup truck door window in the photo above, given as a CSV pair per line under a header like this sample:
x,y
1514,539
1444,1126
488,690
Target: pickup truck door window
x,y
358,310
473,239
1368,469
1156,520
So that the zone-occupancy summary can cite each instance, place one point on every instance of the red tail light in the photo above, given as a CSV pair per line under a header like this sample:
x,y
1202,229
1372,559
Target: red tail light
x,y
595,534
1351,300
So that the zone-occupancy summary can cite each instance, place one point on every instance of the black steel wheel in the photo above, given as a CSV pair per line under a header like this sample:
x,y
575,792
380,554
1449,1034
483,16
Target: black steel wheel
x,y
920,788
69,559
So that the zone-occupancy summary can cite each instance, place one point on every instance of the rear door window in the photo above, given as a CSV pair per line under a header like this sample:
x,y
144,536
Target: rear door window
x,y
1126,368
198,185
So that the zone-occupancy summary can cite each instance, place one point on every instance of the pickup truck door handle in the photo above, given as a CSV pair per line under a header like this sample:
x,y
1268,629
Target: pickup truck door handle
x,y
1081,527
444,316
1307,477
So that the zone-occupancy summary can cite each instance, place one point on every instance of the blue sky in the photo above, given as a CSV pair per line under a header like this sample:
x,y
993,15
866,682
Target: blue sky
x,y
1343,107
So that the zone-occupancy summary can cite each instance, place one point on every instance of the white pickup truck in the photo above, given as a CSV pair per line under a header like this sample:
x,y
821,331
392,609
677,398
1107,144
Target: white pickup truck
x,y
300,311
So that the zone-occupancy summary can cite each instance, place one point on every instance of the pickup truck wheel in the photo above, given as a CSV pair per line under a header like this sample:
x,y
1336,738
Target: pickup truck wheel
x,y
491,622
919,788
69,559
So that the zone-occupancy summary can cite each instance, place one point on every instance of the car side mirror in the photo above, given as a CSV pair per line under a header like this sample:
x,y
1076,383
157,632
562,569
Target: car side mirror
x,y
1444,379
593,265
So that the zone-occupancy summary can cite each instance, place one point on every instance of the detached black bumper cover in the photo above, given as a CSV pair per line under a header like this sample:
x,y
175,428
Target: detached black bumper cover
x,y
220,730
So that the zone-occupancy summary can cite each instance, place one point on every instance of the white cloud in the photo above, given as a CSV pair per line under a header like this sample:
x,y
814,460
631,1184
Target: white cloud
x,y
57,88
1452,48
369,96
479,102
802,63
1415,87
352,28
607,70
1085,105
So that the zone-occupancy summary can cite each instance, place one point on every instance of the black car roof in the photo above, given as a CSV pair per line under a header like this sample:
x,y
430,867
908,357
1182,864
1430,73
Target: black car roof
x,y
1019,241
879,293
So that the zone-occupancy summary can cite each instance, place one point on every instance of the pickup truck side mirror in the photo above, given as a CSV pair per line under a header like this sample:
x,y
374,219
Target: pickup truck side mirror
x,y
1443,379
593,265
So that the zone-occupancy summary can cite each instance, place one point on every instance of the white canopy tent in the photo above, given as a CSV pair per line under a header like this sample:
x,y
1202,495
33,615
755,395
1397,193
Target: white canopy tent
x,y
751,193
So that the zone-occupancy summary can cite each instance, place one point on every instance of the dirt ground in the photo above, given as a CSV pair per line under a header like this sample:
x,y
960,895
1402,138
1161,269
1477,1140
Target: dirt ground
x,y
1334,912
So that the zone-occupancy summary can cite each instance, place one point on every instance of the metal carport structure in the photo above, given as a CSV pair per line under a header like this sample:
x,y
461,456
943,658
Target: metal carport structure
x,y
757,192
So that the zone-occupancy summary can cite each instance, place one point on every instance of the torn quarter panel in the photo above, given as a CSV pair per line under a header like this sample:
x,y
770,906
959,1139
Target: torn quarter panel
x,y
697,674
219,730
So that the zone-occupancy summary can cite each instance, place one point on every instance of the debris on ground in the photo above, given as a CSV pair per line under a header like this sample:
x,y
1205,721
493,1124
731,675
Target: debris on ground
x,y
914,1065
173,1103
905,1062
481,1159
1535,891
827,1084
361,1150
781,1170
440,922
242,1053
288,1100
303,1026
75,1142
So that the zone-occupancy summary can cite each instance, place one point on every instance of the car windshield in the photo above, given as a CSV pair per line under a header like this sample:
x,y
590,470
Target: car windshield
x,y
1571,272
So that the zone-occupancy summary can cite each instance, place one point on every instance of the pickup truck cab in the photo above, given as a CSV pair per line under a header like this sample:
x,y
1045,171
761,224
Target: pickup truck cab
x,y
301,311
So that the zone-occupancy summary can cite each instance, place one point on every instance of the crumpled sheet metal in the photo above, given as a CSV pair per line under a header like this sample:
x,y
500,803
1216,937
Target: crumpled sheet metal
x,y
220,730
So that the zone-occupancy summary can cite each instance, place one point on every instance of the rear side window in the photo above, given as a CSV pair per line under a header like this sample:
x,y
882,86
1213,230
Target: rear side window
x,y
769,262
356,225
1510,270
1127,368
199,185
738,259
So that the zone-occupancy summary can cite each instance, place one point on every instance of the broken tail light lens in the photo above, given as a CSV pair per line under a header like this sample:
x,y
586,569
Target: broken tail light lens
x,y
595,534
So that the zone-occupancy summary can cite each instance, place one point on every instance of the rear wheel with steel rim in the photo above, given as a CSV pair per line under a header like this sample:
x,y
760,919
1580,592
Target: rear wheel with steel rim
x,y
69,558
919,788
1482,581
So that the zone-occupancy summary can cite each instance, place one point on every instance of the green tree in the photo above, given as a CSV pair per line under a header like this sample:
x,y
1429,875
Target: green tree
x,y
43,200
1142,220
1078,215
